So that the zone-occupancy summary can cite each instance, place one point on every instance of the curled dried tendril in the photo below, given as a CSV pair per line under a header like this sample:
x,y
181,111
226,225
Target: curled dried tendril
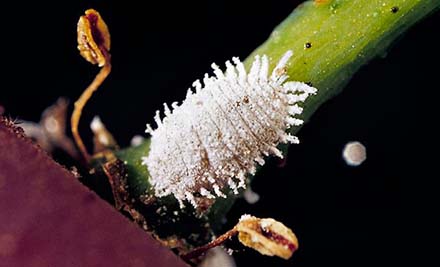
x,y
267,236
94,46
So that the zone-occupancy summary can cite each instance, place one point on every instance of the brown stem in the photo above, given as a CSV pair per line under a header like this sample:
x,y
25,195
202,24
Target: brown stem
x,y
217,242
82,100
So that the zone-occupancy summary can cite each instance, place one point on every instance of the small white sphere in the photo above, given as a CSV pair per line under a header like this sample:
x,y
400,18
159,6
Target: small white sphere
x,y
354,153
250,196
137,140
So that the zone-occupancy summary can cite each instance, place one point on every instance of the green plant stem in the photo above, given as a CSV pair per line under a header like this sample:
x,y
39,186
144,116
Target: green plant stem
x,y
330,42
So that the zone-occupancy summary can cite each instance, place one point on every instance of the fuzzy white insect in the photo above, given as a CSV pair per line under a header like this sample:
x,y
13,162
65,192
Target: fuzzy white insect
x,y
214,138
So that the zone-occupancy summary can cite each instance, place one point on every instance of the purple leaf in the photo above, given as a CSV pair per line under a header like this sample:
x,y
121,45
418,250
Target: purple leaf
x,y
48,218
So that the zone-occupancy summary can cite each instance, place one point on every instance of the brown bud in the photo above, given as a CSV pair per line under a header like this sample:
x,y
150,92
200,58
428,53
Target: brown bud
x,y
267,236
93,38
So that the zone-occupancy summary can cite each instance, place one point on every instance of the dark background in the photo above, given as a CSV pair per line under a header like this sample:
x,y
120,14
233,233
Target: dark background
x,y
343,216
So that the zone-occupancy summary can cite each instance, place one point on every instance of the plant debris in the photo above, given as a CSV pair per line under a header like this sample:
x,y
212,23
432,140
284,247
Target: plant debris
x,y
94,46
267,236
50,131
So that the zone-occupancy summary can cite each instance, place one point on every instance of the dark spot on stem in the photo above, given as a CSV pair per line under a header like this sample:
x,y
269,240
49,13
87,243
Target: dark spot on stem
x,y
395,9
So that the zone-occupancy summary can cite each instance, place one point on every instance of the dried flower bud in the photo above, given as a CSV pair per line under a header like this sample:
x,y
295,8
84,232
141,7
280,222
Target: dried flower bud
x,y
93,37
267,236
215,138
